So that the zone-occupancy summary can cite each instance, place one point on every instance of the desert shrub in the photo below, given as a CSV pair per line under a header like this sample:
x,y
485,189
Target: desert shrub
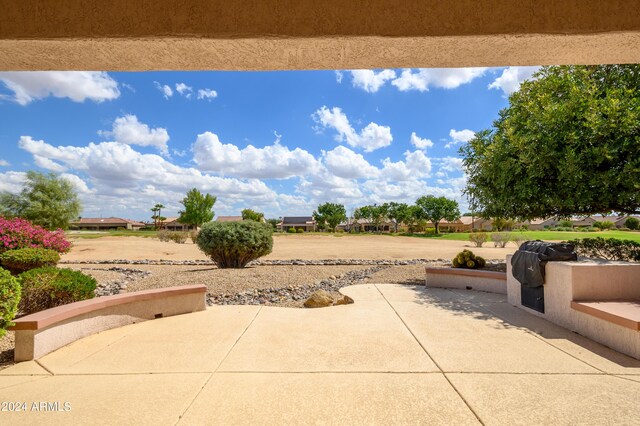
x,y
164,236
45,288
234,244
19,233
291,230
466,259
632,223
178,237
478,238
518,240
21,260
604,224
9,299
565,224
562,228
624,229
500,239
608,248
300,231
194,236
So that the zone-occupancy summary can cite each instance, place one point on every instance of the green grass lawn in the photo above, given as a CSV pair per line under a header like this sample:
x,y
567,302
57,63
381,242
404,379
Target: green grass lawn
x,y
100,234
546,235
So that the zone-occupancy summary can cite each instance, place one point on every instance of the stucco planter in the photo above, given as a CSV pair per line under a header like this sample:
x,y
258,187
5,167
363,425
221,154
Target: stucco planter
x,y
466,279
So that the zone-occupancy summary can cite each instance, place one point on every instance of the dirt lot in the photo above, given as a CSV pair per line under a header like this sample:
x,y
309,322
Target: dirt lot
x,y
287,247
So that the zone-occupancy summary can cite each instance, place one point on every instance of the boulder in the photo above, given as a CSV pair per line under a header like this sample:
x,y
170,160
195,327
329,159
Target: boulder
x,y
345,300
319,299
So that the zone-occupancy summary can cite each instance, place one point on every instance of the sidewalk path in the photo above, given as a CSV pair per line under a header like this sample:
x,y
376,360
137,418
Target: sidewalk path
x,y
400,354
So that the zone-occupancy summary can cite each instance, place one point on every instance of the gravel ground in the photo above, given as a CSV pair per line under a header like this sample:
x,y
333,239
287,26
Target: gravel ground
x,y
7,343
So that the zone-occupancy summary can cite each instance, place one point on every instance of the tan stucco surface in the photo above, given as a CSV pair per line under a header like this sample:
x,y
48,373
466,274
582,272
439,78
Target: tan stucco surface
x,y
307,34
400,354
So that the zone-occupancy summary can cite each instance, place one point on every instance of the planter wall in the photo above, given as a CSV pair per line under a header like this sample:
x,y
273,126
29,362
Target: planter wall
x,y
466,279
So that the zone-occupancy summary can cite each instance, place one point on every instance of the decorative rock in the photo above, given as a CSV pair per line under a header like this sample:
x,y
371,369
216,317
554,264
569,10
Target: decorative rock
x,y
319,299
345,300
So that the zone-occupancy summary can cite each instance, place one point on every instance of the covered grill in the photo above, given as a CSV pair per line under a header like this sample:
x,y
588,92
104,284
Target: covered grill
x,y
528,268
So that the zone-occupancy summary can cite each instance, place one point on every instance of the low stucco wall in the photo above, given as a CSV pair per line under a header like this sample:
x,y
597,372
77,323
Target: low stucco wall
x,y
33,344
490,281
586,281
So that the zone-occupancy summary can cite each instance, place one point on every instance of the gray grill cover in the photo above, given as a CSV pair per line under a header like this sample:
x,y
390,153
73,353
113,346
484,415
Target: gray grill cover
x,y
529,261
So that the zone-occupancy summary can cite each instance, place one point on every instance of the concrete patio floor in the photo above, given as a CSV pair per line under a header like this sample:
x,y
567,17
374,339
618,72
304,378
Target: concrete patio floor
x,y
400,354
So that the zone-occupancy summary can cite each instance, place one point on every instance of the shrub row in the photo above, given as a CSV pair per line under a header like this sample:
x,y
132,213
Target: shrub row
x,y
178,237
608,248
21,260
500,239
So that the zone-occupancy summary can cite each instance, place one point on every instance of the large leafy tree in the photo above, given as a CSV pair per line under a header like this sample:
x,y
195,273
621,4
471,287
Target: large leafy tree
x,y
374,213
46,200
398,213
198,208
248,214
569,143
437,209
330,214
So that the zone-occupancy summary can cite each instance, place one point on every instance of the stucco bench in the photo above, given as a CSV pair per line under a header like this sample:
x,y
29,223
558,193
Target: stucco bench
x,y
45,331
625,313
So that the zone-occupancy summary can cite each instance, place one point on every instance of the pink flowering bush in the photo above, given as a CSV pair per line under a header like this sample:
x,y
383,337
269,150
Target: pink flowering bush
x,y
19,233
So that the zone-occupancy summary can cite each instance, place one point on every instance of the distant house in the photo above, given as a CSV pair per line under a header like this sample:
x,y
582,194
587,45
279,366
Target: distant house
x,y
587,221
172,224
541,224
105,224
475,223
306,223
229,219
620,221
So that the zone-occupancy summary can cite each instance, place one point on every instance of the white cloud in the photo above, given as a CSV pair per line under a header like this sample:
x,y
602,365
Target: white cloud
x,y
449,165
271,162
77,182
416,165
184,90
12,181
128,130
345,163
445,78
115,169
166,90
339,76
48,164
370,138
511,79
459,137
78,86
419,142
370,80
4,163
207,94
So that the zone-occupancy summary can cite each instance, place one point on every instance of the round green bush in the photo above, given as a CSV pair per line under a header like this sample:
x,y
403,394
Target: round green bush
x,y
9,299
234,244
300,231
466,259
291,230
48,287
632,223
21,260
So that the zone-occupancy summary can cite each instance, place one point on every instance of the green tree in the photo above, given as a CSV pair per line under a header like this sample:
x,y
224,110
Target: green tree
x,y
46,200
374,213
330,214
398,213
437,209
157,215
198,208
274,223
248,214
568,143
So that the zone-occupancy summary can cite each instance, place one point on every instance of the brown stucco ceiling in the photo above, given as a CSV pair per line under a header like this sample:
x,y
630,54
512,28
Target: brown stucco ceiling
x,y
314,34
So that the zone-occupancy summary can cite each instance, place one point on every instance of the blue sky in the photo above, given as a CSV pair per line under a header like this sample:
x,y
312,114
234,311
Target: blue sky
x,y
277,142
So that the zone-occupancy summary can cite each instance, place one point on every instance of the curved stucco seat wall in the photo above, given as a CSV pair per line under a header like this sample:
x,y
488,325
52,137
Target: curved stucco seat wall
x,y
466,279
45,331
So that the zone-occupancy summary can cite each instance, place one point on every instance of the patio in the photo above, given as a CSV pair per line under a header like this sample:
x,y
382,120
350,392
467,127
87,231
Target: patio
x,y
400,354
